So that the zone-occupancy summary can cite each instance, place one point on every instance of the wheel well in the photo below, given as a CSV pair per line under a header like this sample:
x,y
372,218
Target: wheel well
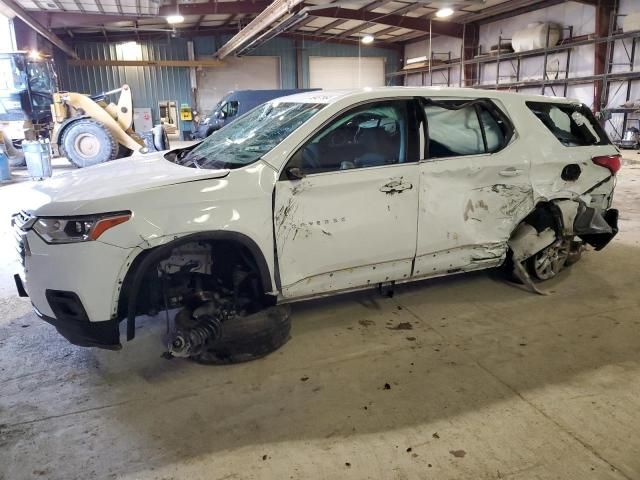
x,y
545,215
209,258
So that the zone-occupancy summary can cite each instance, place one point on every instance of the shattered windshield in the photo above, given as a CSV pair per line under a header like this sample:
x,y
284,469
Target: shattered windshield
x,y
250,136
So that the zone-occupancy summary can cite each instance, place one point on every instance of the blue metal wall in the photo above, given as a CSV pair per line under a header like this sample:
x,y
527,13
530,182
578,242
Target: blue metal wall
x,y
151,85
285,48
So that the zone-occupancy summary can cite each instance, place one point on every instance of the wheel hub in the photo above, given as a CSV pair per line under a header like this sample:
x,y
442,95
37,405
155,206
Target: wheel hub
x,y
87,145
550,261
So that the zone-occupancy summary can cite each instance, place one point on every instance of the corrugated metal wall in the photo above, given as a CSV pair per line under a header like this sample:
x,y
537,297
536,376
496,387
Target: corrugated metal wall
x,y
149,85
153,84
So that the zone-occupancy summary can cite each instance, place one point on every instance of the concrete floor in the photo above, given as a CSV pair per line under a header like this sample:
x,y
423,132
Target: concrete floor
x,y
459,378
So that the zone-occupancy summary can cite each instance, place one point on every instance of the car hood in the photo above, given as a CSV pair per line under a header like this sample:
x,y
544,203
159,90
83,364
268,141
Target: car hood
x,y
67,193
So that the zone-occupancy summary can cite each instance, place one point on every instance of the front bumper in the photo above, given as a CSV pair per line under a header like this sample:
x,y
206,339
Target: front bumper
x,y
72,323
92,270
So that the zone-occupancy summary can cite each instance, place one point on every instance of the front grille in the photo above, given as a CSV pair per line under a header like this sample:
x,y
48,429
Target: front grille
x,y
21,221
19,245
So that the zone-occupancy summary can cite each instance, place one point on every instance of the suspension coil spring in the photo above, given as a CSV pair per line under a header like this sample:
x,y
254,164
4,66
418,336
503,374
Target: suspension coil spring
x,y
191,341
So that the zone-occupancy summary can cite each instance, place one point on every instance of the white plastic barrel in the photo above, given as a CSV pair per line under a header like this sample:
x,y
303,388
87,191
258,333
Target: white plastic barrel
x,y
38,156
534,36
631,22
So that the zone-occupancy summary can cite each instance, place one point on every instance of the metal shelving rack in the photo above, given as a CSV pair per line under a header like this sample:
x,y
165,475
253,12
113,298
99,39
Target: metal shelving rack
x,y
566,45
630,54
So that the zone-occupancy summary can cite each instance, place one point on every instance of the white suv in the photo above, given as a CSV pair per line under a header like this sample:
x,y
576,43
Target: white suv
x,y
314,194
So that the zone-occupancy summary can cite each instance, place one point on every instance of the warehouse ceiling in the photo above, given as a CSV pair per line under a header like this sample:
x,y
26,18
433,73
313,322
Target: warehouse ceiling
x,y
390,22
249,23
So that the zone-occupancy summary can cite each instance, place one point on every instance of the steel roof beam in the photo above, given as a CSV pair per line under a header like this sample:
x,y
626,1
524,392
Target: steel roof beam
x,y
449,29
215,8
26,17
266,19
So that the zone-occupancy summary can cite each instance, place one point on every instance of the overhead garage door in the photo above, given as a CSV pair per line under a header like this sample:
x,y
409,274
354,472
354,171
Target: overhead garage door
x,y
245,73
346,72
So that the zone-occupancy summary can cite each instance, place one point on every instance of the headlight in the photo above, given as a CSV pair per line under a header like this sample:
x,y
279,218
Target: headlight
x,y
77,229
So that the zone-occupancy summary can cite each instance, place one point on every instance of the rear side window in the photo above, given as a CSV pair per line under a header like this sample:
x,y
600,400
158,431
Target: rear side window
x,y
459,128
231,108
573,125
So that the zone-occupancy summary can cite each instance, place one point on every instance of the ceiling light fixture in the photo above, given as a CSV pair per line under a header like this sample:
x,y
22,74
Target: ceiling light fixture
x,y
367,39
173,19
444,12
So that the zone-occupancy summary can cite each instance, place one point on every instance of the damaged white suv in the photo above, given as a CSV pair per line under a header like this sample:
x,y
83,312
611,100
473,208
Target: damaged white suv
x,y
310,195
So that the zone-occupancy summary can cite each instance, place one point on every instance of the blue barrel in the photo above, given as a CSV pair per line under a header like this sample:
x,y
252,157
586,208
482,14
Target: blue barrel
x,y
5,173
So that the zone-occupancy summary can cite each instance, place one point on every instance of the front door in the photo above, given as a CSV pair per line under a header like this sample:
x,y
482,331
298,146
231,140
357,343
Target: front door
x,y
346,204
473,189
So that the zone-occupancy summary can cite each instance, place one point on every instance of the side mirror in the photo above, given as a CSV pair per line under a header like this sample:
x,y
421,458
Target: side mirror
x,y
294,173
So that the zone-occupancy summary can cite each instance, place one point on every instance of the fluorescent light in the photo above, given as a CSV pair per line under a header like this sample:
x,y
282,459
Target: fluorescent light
x,y
34,55
175,19
367,39
444,12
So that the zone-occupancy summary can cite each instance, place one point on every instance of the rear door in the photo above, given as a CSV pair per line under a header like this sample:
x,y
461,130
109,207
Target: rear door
x,y
350,221
474,189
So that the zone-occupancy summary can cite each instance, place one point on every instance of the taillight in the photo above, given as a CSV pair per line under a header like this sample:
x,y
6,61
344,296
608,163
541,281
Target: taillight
x,y
612,162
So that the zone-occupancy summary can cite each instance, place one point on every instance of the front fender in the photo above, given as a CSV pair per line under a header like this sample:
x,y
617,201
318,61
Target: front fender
x,y
151,252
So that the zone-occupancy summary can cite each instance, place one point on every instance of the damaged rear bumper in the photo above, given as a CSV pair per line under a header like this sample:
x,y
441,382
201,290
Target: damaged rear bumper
x,y
596,228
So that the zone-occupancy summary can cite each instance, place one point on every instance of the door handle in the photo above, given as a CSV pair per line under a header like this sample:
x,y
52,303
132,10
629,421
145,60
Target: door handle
x,y
396,186
510,172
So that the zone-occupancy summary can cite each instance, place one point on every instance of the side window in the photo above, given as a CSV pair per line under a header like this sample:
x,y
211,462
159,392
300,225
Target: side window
x,y
372,135
453,133
232,108
572,125
459,128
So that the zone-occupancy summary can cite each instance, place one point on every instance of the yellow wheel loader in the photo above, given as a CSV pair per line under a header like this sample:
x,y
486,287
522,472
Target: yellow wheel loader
x,y
88,130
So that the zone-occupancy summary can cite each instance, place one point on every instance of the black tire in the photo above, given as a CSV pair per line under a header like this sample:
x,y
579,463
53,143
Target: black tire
x,y
160,138
94,132
124,152
249,338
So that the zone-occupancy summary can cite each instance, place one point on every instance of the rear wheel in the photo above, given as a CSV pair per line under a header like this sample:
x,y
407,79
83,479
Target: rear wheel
x,y
88,142
550,261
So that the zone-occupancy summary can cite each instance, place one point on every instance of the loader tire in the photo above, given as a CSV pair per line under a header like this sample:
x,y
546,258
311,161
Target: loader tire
x,y
88,142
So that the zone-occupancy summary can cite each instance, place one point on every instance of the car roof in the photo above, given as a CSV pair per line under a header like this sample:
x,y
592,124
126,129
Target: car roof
x,y
359,94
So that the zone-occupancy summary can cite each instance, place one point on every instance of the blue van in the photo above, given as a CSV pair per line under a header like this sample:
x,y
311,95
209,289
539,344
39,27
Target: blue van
x,y
237,103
